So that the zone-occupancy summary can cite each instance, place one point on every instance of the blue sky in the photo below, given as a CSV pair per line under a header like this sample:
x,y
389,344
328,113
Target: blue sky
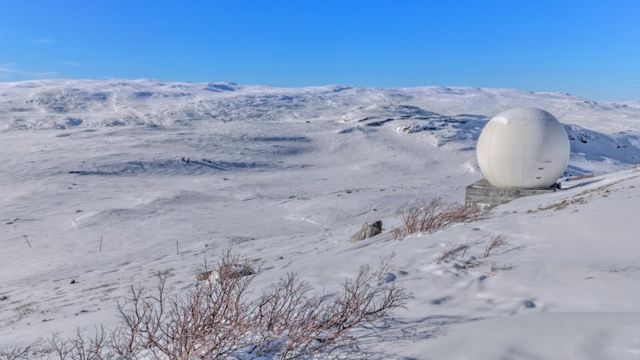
x,y
588,48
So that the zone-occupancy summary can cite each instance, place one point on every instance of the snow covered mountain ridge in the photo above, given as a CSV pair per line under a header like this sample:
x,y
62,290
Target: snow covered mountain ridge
x,y
48,104
605,131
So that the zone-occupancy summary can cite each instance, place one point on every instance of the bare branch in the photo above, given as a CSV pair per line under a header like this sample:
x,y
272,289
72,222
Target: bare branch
x,y
435,216
216,320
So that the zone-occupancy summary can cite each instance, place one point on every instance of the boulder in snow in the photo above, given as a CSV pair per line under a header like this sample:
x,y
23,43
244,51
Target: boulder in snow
x,y
368,230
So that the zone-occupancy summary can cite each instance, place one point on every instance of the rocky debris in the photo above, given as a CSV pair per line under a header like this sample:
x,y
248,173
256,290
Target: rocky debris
x,y
368,230
389,277
203,276
232,271
441,300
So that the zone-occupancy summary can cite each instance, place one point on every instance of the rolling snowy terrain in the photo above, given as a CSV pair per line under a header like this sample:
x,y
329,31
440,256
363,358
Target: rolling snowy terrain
x,y
163,175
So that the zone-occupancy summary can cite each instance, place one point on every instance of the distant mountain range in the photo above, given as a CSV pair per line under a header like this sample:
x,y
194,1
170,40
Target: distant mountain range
x,y
58,104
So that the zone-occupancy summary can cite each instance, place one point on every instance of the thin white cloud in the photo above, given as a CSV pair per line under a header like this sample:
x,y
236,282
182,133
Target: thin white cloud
x,y
7,70
11,72
44,41
69,63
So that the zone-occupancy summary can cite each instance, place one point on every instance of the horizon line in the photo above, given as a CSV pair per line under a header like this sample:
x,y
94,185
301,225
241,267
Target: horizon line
x,y
565,93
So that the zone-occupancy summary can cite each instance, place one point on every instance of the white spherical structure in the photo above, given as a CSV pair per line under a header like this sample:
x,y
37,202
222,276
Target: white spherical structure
x,y
523,148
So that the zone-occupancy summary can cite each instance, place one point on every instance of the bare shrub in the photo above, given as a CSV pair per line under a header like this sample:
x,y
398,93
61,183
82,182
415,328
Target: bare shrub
x,y
456,255
563,204
495,268
496,242
309,324
217,320
80,346
582,197
434,216
20,352
456,251
210,321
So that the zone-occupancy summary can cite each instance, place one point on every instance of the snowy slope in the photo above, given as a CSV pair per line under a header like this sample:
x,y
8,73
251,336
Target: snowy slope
x,y
286,176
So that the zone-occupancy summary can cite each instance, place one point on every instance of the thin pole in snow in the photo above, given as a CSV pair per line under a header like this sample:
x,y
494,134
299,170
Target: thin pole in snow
x,y
100,243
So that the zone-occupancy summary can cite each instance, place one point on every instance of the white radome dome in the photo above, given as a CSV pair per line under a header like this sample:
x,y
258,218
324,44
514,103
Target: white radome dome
x,y
523,148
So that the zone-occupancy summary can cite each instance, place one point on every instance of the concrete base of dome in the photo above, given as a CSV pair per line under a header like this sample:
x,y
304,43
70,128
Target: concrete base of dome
x,y
481,194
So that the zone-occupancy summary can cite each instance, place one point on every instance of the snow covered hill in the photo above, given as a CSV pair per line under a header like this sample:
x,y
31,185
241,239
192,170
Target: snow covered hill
x,y
47,104
605,131
166,174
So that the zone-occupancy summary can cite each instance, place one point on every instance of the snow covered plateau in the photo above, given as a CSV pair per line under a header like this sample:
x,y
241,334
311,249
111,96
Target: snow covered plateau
x,y
285,176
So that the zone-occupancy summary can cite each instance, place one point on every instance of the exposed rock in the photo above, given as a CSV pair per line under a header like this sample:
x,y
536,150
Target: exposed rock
x,y
441,300
203,276
232,271
389,277
368,230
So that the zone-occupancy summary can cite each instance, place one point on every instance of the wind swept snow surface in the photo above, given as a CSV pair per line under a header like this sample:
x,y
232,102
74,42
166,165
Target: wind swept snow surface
x,y
105,183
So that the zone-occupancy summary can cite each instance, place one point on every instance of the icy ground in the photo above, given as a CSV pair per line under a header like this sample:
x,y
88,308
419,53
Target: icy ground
x,y
285,177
